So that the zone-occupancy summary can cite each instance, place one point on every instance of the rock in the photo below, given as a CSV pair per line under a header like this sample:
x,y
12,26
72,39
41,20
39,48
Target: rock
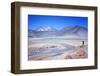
x,y
77,54
67,56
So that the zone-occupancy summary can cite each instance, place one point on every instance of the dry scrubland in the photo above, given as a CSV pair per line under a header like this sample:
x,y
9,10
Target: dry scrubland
x,y
56,48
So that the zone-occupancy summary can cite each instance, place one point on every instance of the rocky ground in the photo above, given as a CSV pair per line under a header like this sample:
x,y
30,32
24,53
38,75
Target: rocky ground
x,y
56,49
78,53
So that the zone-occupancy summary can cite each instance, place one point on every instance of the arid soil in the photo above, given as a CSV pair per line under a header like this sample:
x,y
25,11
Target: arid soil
x,y
56,49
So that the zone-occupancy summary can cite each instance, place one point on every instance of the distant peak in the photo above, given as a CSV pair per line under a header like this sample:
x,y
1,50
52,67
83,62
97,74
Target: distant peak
x,y
47,28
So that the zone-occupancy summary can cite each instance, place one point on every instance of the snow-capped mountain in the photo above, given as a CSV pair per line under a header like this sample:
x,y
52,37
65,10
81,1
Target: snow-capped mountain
x,y
68,31
48,28
42,32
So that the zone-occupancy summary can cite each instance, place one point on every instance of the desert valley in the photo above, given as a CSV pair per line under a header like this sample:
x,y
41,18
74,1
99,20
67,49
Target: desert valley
x,y
47,43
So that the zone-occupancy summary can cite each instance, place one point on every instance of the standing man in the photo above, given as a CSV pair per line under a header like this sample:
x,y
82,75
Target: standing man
x,y
83,43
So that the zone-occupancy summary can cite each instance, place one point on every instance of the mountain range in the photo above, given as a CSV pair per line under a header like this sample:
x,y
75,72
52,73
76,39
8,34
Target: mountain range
x,y
72,31
48,28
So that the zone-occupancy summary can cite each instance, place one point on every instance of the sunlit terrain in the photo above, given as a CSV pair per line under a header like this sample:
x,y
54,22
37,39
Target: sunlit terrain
x,y
57,37
56,48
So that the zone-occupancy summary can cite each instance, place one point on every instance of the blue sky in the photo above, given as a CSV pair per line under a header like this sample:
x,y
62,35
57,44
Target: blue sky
x,y
57,22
